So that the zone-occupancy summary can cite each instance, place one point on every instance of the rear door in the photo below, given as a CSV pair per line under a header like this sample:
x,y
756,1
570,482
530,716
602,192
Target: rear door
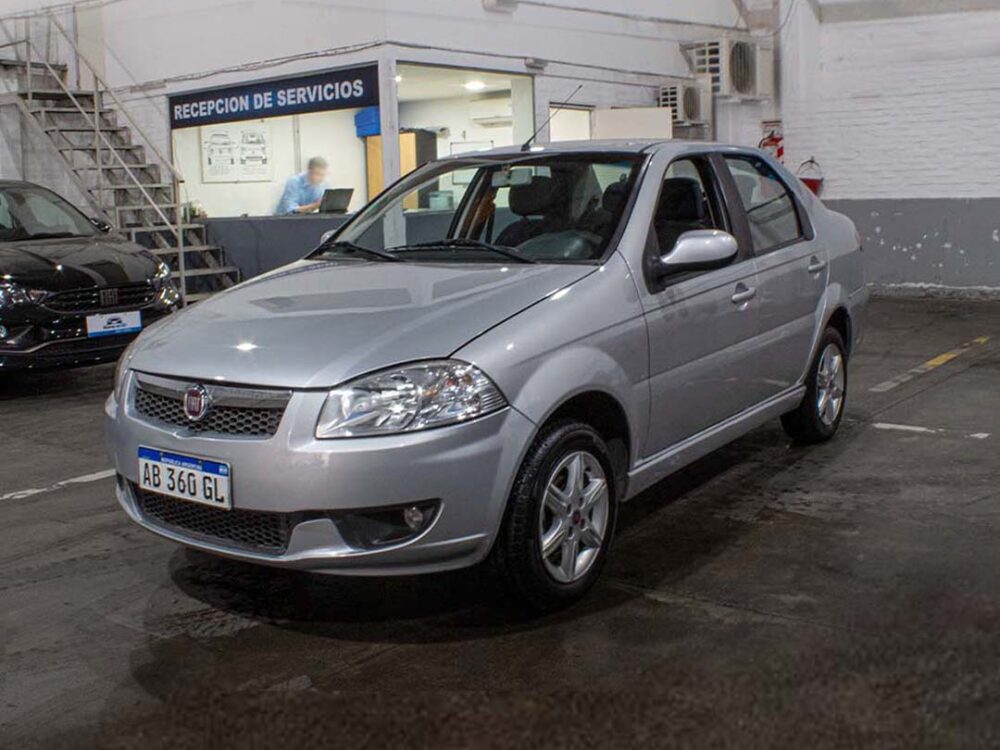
x,y
703,325
791,266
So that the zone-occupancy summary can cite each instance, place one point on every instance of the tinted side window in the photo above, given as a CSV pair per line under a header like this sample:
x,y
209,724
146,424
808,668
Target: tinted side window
x,y
769,206
685,203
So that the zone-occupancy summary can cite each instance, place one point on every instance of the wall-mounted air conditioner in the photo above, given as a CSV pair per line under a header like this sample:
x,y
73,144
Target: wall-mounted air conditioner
x,y
690,103
492,112
740,68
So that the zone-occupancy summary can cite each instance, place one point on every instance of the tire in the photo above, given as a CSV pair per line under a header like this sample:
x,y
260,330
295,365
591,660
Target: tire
x,y
541,582
808,424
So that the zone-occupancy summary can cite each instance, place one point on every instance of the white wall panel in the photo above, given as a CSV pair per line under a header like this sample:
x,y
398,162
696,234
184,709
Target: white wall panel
x,y
903,108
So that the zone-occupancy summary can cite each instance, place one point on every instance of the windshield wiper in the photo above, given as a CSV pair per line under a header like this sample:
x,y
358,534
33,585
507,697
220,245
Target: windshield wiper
x,y
459,242
351,247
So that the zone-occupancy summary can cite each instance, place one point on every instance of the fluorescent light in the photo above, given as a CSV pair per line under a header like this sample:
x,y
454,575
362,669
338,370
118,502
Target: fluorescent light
x,y
474,86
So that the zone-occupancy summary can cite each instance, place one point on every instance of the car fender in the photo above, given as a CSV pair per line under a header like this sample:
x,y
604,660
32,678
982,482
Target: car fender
x,y
590,336
834,298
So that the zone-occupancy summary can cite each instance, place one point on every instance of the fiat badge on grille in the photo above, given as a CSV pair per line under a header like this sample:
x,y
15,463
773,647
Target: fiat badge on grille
x,y
109,297
197,402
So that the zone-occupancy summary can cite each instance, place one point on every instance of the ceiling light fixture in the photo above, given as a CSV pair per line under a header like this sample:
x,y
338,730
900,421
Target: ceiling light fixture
x,y
474,86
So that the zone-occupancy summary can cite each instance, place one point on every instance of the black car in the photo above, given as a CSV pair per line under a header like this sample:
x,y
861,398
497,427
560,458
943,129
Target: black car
x,y
72,292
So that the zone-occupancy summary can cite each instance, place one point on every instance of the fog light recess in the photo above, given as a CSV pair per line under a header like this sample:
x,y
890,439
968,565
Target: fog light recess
x,y
380,527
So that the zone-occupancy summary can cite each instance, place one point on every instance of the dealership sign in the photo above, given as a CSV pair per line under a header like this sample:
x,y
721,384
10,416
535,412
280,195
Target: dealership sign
x,y
320,92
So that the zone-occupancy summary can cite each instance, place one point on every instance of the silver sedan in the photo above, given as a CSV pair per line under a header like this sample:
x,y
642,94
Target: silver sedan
x,y
430,389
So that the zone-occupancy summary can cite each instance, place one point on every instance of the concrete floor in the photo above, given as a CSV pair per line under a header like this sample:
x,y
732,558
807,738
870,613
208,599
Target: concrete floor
x,y
841,595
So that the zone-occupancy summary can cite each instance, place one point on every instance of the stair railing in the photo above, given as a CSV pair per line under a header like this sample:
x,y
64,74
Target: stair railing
x,y
33,57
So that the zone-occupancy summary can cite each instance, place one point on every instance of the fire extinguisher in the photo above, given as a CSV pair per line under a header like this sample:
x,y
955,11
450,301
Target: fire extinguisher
x,y
811,175
774,144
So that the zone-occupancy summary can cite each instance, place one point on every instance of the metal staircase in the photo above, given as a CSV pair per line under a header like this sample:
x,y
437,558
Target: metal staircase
x,y
124,176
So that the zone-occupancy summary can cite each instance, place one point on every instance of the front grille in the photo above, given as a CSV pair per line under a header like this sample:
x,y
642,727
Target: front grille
x,y
247,421
129,297
254,530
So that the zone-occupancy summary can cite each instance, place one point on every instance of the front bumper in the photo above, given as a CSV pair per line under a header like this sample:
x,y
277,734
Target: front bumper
x,y
467,469
57,341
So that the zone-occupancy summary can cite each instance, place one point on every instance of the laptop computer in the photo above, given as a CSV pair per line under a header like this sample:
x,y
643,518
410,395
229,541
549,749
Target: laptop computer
x,y
336,200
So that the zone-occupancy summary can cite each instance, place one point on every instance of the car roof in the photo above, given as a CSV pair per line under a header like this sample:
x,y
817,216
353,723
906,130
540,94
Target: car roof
x,y
624,145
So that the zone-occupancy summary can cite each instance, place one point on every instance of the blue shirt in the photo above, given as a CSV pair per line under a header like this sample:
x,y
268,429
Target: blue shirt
x,y
298,192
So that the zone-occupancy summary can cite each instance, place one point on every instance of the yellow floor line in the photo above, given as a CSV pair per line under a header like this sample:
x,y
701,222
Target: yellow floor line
x,y
928,366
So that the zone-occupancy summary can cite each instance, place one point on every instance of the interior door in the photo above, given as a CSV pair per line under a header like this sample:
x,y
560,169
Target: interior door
x,y
791,267
702,326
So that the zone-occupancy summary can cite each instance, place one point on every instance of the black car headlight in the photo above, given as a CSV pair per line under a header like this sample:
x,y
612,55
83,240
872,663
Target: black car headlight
x,y
409,398
12,295
162,276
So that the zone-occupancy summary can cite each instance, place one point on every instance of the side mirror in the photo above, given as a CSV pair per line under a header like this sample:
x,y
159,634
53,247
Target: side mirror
x,y
699,250
102,226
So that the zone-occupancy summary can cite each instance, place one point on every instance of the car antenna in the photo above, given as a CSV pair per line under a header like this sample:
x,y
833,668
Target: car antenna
x,y
527,144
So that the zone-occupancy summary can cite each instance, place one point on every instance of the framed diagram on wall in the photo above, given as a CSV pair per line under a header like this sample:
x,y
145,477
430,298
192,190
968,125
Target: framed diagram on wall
x,y
237,152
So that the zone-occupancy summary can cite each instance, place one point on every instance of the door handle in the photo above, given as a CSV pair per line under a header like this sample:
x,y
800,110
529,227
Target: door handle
x,y
816,265
743,294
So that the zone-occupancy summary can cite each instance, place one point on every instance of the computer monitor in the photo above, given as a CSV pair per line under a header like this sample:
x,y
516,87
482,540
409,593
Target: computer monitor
x,y
336,200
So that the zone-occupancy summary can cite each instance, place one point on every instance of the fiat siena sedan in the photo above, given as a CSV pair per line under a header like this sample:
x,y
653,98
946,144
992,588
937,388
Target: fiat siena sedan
x,y
429,390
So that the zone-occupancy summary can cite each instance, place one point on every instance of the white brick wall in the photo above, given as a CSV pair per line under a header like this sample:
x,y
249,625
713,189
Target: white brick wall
x,y
905,108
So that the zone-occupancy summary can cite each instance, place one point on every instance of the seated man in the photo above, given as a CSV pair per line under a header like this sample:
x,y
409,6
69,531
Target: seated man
x,y
304,191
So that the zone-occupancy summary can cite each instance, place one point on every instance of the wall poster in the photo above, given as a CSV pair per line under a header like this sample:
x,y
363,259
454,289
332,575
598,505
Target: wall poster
x,y
240,152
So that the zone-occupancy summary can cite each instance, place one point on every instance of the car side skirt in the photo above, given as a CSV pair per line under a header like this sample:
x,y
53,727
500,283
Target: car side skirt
x,y
649,471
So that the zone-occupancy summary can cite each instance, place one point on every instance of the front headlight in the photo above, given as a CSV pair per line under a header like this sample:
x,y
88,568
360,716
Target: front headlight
x,y
409,398
12,294
121,370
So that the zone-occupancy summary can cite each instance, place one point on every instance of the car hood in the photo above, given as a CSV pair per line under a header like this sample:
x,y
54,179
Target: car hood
x,y
78,263
316,324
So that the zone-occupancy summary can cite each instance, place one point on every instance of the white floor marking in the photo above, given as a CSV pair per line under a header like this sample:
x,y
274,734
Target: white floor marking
x,y
930,431
903,428
85,479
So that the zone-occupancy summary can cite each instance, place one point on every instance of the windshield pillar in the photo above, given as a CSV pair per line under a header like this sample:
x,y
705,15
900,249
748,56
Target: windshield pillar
x,y
388,113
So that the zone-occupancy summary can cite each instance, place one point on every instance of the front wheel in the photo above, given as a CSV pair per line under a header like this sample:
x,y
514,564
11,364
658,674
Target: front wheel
x,y
560,518
819,415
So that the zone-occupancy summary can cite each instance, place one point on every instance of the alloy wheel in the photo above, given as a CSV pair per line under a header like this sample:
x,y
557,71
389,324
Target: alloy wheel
x,y
573,518
830,385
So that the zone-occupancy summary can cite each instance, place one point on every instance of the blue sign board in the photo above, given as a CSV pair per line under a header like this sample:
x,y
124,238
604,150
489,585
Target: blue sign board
x,y
320,92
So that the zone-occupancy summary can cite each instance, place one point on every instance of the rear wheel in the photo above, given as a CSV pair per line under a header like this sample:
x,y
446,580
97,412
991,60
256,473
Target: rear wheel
x,y
818,416
560,518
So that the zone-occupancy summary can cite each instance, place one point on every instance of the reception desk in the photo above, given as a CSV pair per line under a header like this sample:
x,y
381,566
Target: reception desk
x,y
256,244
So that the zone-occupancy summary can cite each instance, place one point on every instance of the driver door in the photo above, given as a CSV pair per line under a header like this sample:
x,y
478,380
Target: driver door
x,y
702,325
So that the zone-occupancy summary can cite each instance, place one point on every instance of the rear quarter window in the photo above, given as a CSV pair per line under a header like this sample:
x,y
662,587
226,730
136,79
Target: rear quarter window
x,y
769,205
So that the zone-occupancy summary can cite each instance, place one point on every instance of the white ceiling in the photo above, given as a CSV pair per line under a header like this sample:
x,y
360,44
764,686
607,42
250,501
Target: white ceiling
x,y
421,82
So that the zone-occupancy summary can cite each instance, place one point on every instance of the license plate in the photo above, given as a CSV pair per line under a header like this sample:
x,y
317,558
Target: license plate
x,y
199,480
112,324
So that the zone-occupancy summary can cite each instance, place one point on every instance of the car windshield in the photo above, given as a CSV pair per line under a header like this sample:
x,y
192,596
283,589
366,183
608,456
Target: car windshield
x,y
532,208
32,213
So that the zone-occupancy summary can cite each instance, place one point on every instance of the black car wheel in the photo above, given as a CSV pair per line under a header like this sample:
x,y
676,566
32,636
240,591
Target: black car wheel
x,y
819,415
560,518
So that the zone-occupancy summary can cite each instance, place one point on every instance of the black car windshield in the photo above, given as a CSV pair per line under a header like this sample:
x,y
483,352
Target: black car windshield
x,y
528,208
33,213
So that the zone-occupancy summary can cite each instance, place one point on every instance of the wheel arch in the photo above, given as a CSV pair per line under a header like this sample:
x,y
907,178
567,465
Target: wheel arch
x,y
840,320
605,413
